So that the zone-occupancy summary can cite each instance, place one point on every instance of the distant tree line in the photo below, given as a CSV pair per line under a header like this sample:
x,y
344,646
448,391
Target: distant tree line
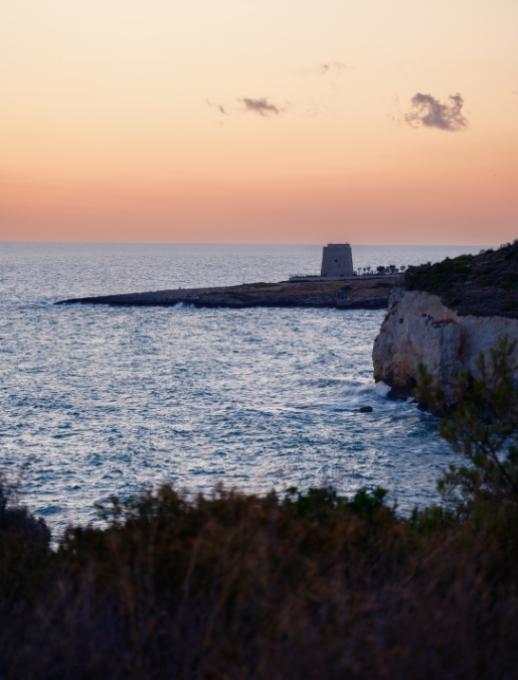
x,y
380,270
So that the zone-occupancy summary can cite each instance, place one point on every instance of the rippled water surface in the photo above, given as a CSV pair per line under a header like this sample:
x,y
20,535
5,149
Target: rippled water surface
x,y
103,400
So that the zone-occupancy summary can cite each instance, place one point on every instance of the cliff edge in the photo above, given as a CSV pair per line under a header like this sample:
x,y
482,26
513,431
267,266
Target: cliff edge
x,y
445,315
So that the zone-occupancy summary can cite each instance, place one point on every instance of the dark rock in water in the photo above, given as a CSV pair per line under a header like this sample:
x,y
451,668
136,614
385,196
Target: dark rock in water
x,y
365,409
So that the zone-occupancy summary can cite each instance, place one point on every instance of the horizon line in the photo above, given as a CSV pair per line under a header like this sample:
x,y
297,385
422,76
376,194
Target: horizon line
x,y
246,243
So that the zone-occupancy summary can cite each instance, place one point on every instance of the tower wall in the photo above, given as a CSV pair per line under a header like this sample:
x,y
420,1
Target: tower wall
x,y
337,261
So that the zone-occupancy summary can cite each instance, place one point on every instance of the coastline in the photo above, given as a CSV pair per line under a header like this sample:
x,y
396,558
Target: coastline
x,y
351,293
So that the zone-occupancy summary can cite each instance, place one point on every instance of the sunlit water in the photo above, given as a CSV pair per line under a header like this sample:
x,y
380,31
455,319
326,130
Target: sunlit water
x,y
105,400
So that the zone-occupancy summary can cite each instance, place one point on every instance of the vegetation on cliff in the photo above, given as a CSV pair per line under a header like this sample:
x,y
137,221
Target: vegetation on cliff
x,y
484,284
483,426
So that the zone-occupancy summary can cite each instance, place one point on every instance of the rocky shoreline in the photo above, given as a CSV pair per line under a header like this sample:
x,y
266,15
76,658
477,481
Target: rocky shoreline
x,y
445,316
420,330
354,293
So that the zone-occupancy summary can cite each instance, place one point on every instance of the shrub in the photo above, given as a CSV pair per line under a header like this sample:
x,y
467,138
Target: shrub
x,y
482,425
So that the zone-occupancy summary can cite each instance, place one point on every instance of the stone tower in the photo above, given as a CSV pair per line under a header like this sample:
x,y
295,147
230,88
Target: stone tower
x,y
337,261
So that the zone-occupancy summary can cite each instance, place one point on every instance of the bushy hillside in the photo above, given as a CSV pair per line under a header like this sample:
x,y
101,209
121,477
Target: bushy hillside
x,y
484,284
240,586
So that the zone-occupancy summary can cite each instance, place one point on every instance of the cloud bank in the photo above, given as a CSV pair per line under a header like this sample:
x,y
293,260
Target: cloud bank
x,y
430,112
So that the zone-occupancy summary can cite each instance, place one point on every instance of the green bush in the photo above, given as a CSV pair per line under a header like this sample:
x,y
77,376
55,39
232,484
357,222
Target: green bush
x,y
481,423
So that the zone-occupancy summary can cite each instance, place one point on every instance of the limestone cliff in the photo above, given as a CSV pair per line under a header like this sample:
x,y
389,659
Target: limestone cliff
x,y
420,329
424,327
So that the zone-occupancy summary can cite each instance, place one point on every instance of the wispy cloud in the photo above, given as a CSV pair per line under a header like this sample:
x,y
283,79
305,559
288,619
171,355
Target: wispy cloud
x,y
427,111
262,106
219,107
325,68
332,68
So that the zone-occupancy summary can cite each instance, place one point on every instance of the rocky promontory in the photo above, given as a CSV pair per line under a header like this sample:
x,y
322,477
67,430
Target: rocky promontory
x,y
362,292
445,315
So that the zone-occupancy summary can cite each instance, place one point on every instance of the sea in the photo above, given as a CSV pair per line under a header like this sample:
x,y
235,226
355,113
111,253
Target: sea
x,y
98,401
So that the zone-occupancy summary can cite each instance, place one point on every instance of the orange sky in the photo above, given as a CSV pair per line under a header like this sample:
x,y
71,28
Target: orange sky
x,y
277,121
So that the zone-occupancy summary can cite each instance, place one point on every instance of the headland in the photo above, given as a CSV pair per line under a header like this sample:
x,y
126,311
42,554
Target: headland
x,y
445,316
355,292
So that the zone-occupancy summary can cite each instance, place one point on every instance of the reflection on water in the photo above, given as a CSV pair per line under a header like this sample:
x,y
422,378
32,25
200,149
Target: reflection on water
x,y
104,400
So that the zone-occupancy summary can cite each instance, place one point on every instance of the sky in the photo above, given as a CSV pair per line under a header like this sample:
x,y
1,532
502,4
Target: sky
x,y
385,121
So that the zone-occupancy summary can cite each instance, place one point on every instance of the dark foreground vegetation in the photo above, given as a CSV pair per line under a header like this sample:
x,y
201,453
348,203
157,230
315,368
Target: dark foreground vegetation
x,y
484,284
308,585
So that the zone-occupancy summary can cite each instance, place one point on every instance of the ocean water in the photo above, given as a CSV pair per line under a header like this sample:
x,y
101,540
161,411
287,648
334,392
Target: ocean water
x,y
97,401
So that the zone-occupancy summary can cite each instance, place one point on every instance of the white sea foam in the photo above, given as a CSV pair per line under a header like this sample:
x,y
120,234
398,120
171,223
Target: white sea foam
x,y
381,388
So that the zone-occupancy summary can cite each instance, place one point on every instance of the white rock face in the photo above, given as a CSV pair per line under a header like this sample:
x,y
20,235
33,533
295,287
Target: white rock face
x,y
419,329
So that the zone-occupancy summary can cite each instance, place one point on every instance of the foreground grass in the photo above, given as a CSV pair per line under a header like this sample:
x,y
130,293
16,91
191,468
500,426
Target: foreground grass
x,y
240,586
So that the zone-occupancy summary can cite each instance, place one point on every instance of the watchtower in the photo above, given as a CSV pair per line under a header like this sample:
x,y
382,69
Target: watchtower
x,y
337,261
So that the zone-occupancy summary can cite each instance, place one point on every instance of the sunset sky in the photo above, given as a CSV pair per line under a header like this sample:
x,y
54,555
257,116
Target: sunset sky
x,y
383,121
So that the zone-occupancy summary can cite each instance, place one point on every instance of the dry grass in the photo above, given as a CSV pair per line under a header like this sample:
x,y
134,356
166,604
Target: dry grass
x,y
237,586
